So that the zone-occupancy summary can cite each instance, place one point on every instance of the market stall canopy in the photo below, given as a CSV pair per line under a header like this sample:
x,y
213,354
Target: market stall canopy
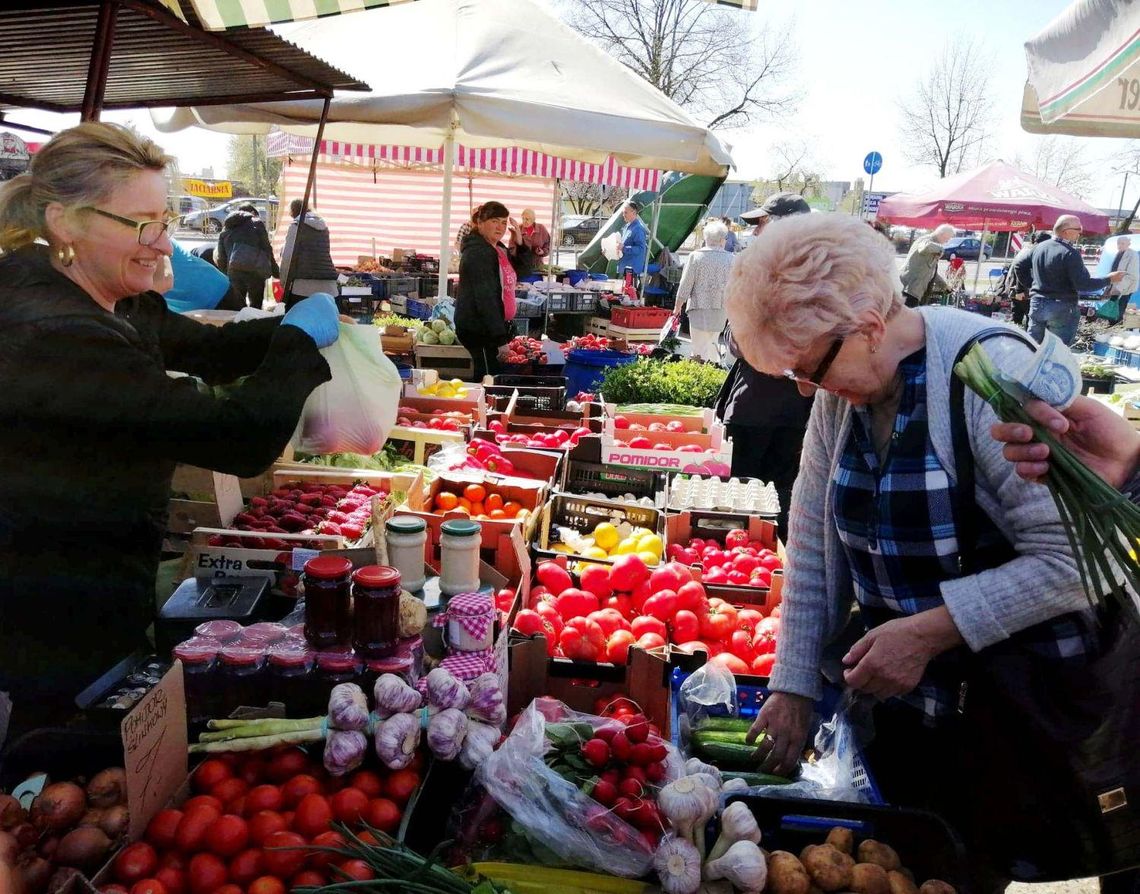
x,y
1084,72
485,73
993,197
156,58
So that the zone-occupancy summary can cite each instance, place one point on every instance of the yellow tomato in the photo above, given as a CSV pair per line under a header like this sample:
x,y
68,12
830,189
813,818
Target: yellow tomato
x,y
595,552
650,543
606,536
649,558
624,548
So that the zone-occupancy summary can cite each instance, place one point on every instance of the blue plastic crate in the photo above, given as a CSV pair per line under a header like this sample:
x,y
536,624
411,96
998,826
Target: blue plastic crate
x,y
750,698
418,310
1100,348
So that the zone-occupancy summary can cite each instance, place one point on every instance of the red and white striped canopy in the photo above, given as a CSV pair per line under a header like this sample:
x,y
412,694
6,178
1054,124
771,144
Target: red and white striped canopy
x,y
508,160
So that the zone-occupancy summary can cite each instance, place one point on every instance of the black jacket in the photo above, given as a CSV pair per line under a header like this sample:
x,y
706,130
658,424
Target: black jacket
x,y
1023,269
1059,272
749,397
479,301
244,229
91,427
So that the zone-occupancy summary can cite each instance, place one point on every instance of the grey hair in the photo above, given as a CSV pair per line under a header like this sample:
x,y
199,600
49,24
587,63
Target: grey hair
x,y
1125,239
716,233
941,230
1064,222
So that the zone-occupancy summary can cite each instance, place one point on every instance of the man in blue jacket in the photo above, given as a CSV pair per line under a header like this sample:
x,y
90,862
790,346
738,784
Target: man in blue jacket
x,y
634,241
1059,275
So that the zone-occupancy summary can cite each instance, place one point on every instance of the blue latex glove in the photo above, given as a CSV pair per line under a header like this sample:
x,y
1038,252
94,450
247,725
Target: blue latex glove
x,y
317,317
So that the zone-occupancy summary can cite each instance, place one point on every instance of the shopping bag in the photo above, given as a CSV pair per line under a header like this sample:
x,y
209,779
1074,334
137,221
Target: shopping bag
x,y
355,410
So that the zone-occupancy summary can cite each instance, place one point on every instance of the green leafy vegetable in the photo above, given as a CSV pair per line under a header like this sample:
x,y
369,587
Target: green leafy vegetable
x,y
650,381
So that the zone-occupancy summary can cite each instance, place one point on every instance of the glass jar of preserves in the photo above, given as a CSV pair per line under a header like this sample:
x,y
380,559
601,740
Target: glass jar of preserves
x,y
459,543
199,657
328,612
289,668
222,631
240,678
375,611
470,623
263,635
332,668
406,537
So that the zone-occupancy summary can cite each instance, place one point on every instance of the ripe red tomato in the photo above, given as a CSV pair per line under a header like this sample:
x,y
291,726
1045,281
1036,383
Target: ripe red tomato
x,y
265,823
247,866
685,627
173,879
313,816
368,782
229,789
207,873
253,771
202,801
290,762
161,829
357,870
210,773
730,661
383,814
267,884
284,854
401,784
229,889
196,821
297,787
348,804
322,859
308,879
135,862
762,664
263,797
227,836
617,647
149,886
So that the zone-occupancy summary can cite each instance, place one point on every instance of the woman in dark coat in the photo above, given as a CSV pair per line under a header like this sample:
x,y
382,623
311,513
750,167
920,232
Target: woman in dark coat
x,y
485,302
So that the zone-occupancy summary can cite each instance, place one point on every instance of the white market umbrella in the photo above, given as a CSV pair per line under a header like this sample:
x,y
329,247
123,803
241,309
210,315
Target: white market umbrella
x,y
485,73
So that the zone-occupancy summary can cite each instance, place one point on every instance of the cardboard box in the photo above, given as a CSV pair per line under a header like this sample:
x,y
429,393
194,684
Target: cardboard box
x,y
704,422
451,361
472,407
418,445
645,680
617,452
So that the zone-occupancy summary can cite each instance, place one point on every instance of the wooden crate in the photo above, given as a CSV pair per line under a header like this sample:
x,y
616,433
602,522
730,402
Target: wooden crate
x,y
451,361
639,335
598,326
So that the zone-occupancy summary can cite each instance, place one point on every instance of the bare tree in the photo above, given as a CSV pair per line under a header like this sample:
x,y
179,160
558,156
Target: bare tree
x,y
946,120
1060,161
1129,165
717,63
793,169
591,198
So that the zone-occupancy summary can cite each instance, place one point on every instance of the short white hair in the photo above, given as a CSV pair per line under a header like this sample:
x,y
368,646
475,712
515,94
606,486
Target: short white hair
x,y
943,231
716,233
1064,222
1127,240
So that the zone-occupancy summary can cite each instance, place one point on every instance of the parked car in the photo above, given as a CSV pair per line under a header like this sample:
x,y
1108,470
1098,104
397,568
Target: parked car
x,y
966,247
184,205
210,222
580,230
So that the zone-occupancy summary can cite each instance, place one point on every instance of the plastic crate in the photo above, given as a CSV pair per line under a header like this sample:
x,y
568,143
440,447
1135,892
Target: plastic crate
x,y
559,301
418,310
584,514
406,286
613,481
585,302
535,392
638,317
529,308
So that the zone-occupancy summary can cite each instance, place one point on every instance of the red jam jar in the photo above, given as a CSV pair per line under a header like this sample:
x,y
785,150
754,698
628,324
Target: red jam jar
x,y
289,668
222,631
263,635
337,667
376,611
328,611
240,678
198,657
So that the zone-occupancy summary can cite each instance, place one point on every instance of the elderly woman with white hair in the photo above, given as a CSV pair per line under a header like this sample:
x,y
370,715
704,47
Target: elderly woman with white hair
x,y
876,519
702,289
920,272
530,244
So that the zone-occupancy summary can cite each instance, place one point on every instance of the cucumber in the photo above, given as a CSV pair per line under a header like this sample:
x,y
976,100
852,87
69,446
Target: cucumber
x,y
716,735
754,779
723,724
731,753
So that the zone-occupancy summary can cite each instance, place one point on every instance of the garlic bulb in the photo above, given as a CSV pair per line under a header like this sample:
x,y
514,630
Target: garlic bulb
x,y
737,823
743,864
678,865
688,803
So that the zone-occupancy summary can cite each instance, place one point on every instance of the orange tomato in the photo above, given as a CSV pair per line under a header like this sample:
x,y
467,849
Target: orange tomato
x,y
478,509
511,508
493,502
445,501
465,505
476,493
498,514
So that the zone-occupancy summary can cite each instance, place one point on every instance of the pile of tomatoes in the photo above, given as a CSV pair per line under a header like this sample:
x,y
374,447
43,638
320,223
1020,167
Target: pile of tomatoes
x,y
477,501
251,825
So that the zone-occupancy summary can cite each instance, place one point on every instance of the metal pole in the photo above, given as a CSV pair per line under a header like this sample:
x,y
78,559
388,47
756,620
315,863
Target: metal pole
x,y
1120,207
310,186
256,171
445,222
981,254
651,245
554,228
100,62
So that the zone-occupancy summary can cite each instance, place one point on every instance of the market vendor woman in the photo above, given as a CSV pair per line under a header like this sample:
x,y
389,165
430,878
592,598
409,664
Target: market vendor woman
x,y
485,301
92,425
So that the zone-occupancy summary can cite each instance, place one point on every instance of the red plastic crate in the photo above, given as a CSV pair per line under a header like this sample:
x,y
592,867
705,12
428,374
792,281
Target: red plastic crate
x,y
639,317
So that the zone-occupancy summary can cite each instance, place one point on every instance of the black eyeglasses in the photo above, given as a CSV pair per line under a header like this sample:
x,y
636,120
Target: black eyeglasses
x,y
150,231
821,370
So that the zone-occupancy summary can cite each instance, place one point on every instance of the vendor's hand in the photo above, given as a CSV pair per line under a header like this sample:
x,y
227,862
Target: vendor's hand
x,y
1098,436
1116,276
316,316
784,719
891,659
345,318
503,353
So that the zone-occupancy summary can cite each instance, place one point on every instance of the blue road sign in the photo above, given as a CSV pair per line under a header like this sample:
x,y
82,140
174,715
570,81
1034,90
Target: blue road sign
x,y
872,163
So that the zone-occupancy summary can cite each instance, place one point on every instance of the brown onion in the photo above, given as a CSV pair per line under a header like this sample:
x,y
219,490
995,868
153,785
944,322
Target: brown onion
x,y
82,848
47,847
108,788
115,820
26,835
92,817
9,847
36,874
12,812
59,806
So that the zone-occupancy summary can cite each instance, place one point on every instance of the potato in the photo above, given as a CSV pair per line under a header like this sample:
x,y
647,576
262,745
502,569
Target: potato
x,y
907,874
843,840
901,882
786,874
828,868
869,878
871,851
936,886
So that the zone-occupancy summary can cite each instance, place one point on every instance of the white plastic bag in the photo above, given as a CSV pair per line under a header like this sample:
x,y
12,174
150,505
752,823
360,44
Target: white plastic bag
x,y
610,246
356,409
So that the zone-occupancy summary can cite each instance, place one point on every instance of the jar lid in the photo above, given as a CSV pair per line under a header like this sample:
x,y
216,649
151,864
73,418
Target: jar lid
x,y
405,524
470,603
196,650
240,656
264,633
328,567
393,664
376,577
337,661
222,631
289,655
461,527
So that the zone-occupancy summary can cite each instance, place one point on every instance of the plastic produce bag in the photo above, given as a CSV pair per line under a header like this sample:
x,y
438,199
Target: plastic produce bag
x,y
610,246
553,809
356,409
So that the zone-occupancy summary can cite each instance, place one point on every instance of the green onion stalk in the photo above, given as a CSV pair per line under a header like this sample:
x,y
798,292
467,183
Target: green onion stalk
x,y
254,735
1103,525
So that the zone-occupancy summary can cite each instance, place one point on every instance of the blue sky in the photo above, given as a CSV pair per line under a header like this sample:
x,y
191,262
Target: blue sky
x,y
856,60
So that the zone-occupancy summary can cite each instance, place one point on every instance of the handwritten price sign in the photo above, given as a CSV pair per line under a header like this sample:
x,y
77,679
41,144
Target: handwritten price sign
x,y
154,749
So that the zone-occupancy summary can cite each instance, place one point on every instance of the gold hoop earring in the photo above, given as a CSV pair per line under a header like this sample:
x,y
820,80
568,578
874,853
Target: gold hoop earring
x,y
874,349
65,254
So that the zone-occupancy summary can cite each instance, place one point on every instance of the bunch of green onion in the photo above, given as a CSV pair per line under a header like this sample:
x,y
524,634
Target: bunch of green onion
x,y
1103,525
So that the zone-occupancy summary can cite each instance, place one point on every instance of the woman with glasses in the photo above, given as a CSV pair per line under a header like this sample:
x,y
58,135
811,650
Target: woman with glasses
x,y
91,424
816,298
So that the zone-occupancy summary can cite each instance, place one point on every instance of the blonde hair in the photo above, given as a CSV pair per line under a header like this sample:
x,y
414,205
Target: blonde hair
x,y
78,166
806,276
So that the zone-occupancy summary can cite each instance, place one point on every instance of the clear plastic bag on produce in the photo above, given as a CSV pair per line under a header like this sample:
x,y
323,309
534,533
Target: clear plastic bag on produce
x,y
550,805
710,689
444,310
453,459
356,409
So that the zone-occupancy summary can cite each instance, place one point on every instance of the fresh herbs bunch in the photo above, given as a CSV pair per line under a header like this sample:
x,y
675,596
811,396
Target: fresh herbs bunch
x,y
658,382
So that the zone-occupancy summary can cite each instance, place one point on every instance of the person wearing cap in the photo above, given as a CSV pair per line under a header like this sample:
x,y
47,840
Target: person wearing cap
x,y
920,272
634,241
766,416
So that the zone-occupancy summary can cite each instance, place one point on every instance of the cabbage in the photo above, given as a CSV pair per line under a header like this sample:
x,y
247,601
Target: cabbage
x,y
439,325
428,337
447,337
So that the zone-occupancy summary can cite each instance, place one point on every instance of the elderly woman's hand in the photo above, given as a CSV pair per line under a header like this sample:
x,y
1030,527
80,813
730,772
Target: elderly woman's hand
x,y
891,659
1098,436
784,719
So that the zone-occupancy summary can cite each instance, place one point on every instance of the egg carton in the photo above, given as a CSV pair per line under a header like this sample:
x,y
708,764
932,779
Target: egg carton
x,y
714,494
648,502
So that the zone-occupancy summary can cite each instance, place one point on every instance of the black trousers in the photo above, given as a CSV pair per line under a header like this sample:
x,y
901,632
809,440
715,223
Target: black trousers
x,y
1019,311
770,454
249,287
484,354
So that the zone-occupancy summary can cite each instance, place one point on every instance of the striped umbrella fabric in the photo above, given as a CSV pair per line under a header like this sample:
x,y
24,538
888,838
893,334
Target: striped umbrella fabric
x,y
371,211
505,160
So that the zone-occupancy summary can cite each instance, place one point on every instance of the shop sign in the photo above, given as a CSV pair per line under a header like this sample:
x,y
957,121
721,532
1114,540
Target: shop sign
x,y
208,189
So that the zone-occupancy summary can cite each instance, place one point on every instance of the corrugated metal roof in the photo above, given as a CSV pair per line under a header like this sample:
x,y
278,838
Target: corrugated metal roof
x,y
156,60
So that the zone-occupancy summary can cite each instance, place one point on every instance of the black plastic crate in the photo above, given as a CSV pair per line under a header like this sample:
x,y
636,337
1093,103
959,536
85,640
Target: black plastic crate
x,y
361,308
585,302
62,753
613,481
407,286
559,301
535,392
584,514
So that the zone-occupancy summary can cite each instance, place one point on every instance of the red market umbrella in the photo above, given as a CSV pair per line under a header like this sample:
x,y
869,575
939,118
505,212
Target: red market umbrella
x,y
995,197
